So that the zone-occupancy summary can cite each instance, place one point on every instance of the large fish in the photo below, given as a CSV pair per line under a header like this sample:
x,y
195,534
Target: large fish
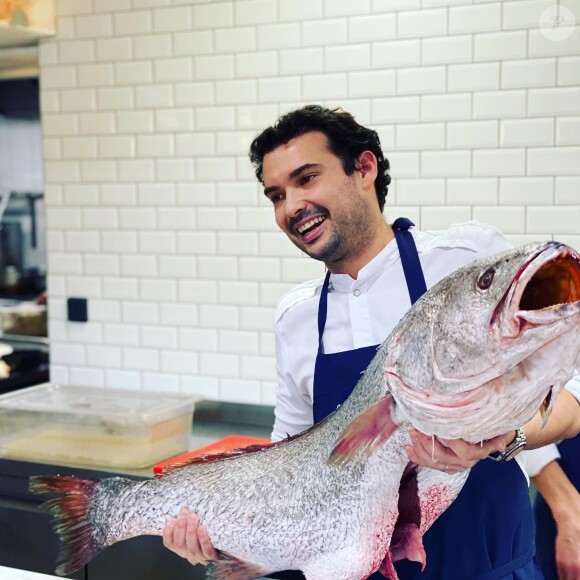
x,y
475,357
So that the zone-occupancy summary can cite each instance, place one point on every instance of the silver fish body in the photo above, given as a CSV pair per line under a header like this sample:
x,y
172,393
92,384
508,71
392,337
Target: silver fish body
x,y
475,357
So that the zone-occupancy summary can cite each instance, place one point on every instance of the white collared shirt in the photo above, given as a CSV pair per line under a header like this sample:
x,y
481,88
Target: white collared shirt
x,y
361,312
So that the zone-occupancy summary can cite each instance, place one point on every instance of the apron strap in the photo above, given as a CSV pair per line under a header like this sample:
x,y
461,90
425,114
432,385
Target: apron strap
x,y
322,308
507,569
409,259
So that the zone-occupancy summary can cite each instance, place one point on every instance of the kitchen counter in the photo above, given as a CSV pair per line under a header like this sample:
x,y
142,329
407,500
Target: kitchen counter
x,y
27,540
14,574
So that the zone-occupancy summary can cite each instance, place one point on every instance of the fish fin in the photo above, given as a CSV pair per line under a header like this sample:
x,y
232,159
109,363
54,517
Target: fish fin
x,y
77,542
407,544
234,569
366,432
209,457
387,568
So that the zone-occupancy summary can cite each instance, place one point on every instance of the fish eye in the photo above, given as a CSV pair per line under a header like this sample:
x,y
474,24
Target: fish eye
x,y
486,279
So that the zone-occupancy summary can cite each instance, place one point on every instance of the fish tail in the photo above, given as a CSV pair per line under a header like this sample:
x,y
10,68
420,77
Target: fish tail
x,y
78,543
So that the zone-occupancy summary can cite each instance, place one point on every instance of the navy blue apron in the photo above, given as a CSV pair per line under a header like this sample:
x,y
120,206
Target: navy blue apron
x,y
488,532
545,525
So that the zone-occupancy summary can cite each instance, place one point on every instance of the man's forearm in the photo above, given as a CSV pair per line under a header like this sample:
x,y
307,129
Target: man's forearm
x,y
555,487
564,422
563,500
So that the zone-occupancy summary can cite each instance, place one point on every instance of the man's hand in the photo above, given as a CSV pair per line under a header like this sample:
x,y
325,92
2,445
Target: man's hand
x,y
563,499
452,455
567,549
184,536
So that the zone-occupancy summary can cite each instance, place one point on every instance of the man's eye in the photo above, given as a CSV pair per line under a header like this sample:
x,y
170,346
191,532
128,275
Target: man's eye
x,y
276,198
306,178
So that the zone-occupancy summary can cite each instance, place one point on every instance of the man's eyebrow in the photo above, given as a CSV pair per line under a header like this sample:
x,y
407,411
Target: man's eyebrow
x,y
294,173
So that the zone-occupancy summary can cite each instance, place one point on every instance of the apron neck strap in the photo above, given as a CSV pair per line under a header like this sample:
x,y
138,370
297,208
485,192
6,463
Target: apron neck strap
x,y
409,259
322,309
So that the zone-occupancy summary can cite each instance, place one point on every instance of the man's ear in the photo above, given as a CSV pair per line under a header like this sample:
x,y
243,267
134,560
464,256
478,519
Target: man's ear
x,y
366,163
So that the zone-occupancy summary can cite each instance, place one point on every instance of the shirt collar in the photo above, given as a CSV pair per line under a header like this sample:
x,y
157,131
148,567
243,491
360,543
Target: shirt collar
x,y
369,273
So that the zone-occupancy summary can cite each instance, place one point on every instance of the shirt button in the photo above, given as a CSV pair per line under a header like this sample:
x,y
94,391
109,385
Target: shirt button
x,y
356,292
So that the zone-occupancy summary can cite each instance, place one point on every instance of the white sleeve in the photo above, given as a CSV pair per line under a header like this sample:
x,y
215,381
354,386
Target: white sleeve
x,y
492,241
537,459
293,411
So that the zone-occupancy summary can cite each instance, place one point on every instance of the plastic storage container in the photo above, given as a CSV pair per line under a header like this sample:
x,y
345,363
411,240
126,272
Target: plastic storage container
x,y
94,426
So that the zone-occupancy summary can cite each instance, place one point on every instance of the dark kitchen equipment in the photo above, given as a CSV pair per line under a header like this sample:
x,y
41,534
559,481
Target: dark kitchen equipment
x,y
22,244
10,256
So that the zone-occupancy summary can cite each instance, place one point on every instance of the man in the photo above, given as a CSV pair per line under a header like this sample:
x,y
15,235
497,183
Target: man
x,y
327,180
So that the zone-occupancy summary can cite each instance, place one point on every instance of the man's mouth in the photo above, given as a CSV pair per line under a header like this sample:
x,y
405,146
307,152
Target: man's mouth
x,y
309,225
308,228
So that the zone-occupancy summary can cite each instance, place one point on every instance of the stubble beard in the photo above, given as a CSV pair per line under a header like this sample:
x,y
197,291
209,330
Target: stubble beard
x,y
351,232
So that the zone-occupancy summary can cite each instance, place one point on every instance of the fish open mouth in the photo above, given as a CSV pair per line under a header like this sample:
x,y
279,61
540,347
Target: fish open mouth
x,y
555,282
542,289
545,289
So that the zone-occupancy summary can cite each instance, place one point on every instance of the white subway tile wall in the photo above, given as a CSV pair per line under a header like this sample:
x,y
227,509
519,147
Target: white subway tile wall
x,y
153,211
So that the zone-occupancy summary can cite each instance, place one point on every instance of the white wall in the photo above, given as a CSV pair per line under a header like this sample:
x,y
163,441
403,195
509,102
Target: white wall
x,y
153,212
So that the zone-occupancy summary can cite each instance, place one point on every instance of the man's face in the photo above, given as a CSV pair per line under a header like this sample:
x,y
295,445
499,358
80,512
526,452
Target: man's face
x,y
322,210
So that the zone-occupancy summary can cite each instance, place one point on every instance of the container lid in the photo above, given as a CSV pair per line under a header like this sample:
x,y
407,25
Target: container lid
x,y
119,406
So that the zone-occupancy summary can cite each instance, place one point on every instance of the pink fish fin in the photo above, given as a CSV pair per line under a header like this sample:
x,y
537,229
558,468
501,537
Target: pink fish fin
x,y
366,432
407,545
234,569
407,537
387,568
209,457
78,544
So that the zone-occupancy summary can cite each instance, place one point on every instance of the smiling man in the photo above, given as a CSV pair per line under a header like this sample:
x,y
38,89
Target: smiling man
x,y
321,208
327,179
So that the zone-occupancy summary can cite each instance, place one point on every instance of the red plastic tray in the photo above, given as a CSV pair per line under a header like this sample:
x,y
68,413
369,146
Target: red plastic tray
x,y
226,444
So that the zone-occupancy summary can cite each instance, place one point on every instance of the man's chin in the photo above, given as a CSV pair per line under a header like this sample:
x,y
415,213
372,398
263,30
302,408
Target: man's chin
x,y
325,254
317,249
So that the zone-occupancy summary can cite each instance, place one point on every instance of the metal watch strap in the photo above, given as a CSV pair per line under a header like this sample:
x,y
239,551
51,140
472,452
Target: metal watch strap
x,y
512,449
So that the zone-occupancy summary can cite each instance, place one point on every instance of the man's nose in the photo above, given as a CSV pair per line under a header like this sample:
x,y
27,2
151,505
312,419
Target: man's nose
x,y
295,202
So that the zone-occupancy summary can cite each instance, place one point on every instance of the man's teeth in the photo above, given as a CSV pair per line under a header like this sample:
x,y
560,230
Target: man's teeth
x,y
308,225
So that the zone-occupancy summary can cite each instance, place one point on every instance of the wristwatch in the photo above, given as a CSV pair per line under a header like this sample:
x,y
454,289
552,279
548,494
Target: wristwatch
x,y
512,449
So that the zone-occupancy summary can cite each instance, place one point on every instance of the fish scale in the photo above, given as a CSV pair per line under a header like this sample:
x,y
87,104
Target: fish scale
x,y
342,499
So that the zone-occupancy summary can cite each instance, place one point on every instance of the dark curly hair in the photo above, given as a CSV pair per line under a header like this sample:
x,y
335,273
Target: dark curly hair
x,y
346,139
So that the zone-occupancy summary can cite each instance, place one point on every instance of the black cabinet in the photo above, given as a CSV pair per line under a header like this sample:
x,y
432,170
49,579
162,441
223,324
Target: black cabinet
x,y
28,542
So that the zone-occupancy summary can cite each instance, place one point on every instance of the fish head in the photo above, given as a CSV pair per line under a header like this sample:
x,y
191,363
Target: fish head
x,y
490,345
